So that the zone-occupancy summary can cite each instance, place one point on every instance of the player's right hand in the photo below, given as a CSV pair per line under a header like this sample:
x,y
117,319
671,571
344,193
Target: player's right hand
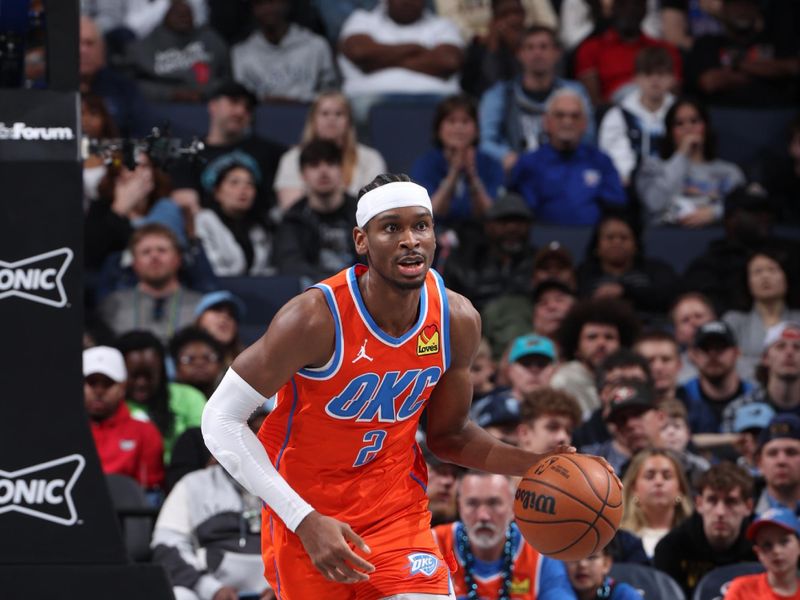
x,y
326,541
561,449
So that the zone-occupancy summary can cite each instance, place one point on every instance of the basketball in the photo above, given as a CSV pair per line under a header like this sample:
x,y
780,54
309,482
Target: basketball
x,y
568,506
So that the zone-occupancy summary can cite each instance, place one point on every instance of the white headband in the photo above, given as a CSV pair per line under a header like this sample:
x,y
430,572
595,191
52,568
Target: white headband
x,y
397,194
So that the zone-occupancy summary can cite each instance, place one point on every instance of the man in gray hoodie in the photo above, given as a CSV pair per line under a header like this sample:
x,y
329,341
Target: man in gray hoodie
x,y
177,61
282,59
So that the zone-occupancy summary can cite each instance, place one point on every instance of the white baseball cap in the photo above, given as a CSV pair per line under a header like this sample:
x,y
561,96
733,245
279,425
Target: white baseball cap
x,y
106,361
789,330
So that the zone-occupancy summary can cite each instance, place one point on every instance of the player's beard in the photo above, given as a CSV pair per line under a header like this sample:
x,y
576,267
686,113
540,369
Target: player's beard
x,y
485,534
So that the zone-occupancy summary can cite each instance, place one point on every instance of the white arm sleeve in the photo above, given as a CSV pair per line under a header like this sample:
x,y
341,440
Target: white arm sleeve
x,y
239,451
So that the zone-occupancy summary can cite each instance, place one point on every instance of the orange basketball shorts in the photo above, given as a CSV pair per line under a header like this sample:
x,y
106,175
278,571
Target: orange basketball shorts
x,y
404,553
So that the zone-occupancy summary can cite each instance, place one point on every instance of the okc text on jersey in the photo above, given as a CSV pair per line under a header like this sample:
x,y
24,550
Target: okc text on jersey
x,y
369,396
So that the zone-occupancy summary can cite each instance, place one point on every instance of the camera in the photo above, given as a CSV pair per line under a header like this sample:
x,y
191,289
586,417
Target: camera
x,y
158,146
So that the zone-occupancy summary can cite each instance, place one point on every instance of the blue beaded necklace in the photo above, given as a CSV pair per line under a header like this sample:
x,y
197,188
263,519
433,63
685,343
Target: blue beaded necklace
x,y
465,551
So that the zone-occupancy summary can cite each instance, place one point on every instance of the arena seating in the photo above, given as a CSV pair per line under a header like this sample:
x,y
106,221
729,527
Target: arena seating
x,y
671,244
279,122
401,132
713,585
135,514
746,135
185,120
262,296
652,583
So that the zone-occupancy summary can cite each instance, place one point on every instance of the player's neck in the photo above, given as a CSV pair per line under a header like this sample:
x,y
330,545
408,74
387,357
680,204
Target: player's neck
x,y
394,310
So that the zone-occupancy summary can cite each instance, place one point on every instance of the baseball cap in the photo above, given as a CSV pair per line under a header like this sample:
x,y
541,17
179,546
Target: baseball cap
x,y
633,397
526,345
751,198
782,517
714,330
499,408
782,426
210,177
105,361
755,415
553,251
509,206
786,330
551,284
221,297
233,89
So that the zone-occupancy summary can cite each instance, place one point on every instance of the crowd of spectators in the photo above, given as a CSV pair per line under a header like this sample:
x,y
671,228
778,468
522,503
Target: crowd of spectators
x,y
591,114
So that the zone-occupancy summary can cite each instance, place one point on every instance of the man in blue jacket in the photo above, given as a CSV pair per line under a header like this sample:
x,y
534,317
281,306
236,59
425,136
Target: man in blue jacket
x,y
512,112
566,181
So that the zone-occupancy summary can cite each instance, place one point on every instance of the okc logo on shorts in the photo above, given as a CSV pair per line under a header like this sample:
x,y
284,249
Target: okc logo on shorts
x,y
423,563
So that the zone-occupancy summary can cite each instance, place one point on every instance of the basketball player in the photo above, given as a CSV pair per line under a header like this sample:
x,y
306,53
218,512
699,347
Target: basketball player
x,y
354,360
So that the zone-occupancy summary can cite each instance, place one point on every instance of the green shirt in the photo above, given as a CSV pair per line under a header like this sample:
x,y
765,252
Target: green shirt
x,y
185,403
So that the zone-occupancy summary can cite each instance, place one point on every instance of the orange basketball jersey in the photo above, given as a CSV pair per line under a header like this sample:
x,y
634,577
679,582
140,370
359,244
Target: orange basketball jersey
x,y
343,435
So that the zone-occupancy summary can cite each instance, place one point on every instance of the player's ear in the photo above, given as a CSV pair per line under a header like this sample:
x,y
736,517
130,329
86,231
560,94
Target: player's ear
x,y
360,240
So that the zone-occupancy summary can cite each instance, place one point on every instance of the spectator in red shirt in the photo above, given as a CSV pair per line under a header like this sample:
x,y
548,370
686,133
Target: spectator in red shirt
x,y
604,63
125,446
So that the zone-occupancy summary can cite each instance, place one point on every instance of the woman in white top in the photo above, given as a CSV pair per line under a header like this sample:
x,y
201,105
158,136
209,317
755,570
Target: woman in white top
x,y
656,496
236,239
329,118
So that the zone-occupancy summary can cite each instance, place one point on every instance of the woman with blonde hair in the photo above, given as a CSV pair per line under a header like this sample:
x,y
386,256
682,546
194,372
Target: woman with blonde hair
x,y
656,496
329,118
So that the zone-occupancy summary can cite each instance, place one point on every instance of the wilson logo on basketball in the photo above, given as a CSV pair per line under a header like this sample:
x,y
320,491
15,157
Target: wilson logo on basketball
x,y
428,341
538,502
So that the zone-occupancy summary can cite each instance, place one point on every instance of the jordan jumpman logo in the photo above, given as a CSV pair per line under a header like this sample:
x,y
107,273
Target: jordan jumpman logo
x,y
363,352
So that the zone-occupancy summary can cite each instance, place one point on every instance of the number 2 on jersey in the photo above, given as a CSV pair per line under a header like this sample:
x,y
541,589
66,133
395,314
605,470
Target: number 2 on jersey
x,y
374,440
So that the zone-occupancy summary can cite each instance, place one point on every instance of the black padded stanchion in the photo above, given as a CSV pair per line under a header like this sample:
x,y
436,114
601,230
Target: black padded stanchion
x,y
59,536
